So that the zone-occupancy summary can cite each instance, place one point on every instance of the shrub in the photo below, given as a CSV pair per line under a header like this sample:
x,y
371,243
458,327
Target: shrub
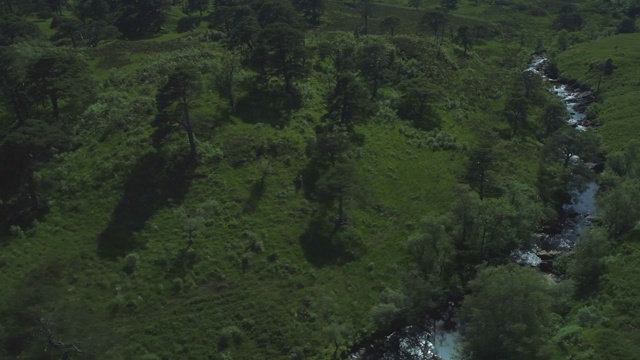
x,y
187,24
130,263
177,285
588,316
16,230
230,335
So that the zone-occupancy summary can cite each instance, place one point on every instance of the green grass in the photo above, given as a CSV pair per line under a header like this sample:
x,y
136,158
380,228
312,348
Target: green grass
x,y
178,303
618,108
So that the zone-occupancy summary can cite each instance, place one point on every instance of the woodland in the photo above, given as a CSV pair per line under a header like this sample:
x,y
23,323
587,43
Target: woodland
x,y
289,179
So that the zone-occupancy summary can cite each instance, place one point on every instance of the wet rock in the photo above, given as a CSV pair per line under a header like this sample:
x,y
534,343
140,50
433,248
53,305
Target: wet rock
x,y
546,266
553,229
598,168
587,123
548,255
572,214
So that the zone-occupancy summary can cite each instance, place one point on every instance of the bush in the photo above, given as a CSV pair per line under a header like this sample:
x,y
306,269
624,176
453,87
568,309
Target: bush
x,y
188,23
588,316
383,315
177,285
442,141
16,230
230,335
130,263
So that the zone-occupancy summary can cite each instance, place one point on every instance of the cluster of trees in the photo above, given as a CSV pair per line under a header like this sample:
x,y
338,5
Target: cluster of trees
x,y
446,251
44,89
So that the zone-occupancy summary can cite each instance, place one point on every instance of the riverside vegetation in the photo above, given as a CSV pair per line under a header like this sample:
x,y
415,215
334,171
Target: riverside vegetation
x,y
267,179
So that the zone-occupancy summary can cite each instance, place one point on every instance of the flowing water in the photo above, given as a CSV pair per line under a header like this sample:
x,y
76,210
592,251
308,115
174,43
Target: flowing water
x,y
578,214
440,339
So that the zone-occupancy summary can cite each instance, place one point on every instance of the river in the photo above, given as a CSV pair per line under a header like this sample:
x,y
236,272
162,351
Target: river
x,y
441,338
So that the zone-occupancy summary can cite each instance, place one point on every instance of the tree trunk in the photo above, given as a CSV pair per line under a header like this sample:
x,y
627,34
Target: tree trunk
x,y
54,104
193,154
288,84
366,24
33,192
481,190
340,207
18,109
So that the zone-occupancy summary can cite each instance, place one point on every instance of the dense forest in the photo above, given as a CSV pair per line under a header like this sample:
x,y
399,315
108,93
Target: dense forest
x,y
276,179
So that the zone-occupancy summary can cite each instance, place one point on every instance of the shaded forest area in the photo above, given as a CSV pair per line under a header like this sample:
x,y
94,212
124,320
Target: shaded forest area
x,y
274,179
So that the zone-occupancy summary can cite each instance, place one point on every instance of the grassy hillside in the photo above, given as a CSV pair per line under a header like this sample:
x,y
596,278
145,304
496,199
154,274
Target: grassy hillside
x,y
617,107
110,264
604,322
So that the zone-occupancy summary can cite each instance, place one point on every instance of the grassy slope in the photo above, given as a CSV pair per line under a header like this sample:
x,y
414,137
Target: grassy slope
x,y
276,304
618,108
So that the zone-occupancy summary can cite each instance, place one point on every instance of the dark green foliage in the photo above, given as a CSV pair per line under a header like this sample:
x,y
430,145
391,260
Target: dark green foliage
x,y
562,41
14,28
434,21
340,49
607,68
95,9
375,58
531,84
569,18
568,142
244,28
627,26
199,6
554,117
133,19
188,24
181,87
389,24
23,152
517,113
416,103
432,248
312,10
281,53
464,38
480,168
507,314
588,263
349,103
89,34
415,3
58,75
449,4
186,234
620,207
625,162
271,12
14,85
367,8
229,77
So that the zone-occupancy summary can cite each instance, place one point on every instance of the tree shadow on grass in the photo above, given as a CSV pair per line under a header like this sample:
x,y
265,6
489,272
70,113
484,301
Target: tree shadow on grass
x,y
183,263
257,192
320,242
264,106
153,181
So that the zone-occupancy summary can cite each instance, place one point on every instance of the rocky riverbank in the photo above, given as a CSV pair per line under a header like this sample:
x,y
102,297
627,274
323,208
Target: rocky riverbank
x,y
561,236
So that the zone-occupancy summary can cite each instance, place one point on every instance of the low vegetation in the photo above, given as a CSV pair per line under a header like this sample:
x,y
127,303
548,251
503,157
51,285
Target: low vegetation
x,y
282,180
